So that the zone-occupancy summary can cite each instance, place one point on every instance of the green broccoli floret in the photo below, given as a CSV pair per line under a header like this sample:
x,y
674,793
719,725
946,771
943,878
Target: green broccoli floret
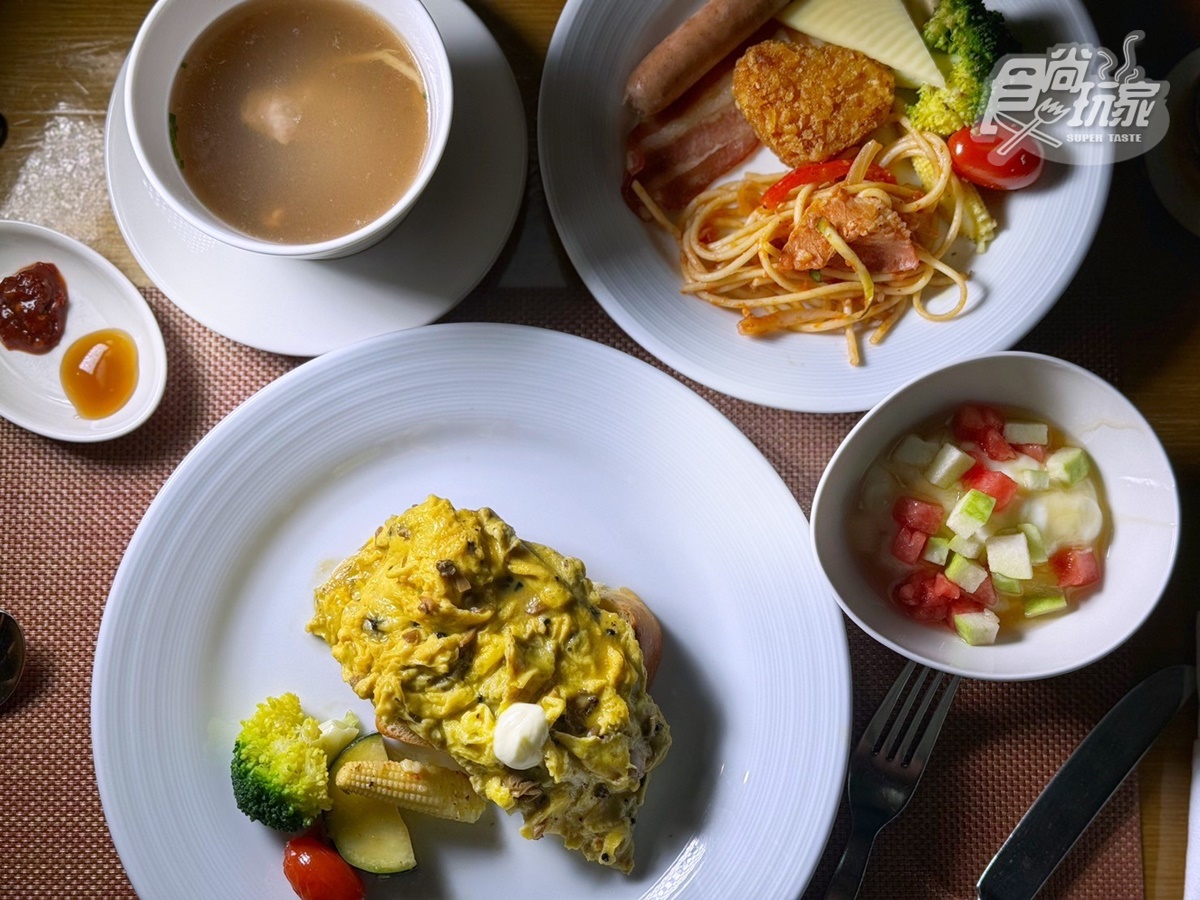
x,y
280,772
972,39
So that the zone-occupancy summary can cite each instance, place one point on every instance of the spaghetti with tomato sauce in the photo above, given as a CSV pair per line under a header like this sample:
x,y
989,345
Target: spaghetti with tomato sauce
x,y
843,246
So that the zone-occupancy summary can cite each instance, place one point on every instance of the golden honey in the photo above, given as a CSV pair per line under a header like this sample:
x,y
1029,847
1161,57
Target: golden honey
x,y
99,372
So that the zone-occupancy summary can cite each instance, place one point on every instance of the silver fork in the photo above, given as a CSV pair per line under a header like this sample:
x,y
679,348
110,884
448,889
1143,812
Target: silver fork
x,y
887,764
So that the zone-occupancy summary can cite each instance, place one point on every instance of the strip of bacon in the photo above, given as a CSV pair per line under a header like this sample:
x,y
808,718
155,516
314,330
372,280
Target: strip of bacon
x,y
679,152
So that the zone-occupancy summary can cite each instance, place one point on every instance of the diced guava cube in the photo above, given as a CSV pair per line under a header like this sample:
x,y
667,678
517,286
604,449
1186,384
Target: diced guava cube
x,y
977,628
1043,602
937,550
1005,585
1037,547
1026,432
966,574
1008,555
970,513
1068,465
948,466
1035,479
915,451
969,547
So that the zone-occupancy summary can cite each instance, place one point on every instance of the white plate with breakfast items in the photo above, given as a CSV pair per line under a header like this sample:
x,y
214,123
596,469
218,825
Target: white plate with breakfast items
x,y
256,263
879,255
234,571
1006,517
82,358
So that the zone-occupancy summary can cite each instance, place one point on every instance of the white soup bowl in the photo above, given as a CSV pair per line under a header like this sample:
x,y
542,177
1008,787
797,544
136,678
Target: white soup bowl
x,y
164,39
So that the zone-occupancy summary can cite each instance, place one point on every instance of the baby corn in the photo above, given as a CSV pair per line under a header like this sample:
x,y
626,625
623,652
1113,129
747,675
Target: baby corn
x,y
433,790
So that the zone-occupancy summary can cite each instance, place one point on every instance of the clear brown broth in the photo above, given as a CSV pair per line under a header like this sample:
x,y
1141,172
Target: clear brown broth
x,y
290,126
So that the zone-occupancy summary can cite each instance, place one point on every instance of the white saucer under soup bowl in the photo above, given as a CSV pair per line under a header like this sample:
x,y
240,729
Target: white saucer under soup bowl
x,y
273,304
1138,492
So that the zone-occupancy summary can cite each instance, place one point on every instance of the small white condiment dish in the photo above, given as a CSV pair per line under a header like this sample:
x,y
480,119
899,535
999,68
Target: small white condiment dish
x,y
1127,459
164,39
98,297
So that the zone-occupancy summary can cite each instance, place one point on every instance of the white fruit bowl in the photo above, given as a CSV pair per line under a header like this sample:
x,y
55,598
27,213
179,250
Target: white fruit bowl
x,y
1136,480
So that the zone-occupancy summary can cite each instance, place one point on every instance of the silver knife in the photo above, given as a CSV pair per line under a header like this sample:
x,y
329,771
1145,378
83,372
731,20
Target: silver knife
x,y
1083,785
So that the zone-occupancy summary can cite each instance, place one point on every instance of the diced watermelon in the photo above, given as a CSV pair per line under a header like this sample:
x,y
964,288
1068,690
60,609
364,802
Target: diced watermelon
x,y
944,587
925,594
985,594
995,484
908,591
985,427
994,418
1034,451
908,545
995,446
919,515
1074,567
928,613
971,421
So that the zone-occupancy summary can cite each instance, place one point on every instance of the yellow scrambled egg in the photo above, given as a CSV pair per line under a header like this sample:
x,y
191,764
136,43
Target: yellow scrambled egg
x,y
445,618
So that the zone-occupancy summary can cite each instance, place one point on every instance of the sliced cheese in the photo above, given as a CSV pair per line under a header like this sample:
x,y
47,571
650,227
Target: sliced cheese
x,y
882,29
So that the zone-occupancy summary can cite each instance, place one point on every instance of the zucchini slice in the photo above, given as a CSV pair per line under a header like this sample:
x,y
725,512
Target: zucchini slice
x,y
369,834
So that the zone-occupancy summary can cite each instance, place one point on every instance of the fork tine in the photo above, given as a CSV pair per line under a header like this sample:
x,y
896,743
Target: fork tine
x,y
923,749
891,744
875,727
902,748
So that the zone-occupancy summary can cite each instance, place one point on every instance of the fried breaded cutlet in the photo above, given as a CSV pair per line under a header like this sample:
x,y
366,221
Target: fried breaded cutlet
x,y
807,103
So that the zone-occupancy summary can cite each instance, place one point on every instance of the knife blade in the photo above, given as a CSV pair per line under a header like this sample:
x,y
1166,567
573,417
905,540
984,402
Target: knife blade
x,y
1083,785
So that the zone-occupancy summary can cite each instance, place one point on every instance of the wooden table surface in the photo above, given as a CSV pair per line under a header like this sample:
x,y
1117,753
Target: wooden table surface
x,y
59,59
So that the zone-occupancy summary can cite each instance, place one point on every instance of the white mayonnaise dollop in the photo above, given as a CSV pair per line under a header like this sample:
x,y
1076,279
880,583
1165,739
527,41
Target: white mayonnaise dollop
x,y
521,731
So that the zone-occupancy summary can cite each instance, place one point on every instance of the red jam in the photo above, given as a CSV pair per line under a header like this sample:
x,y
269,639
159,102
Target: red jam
x,y
33,308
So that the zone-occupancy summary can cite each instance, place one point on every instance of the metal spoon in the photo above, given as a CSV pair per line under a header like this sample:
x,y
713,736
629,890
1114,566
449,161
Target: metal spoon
x,y
12,655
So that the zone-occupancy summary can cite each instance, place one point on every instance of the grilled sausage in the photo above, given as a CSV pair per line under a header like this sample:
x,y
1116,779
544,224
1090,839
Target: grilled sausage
x,y
693,48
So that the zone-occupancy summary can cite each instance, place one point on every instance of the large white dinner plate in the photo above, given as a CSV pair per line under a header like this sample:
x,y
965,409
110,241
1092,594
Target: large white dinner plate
x,y
419,272
577,446
99,297
633,269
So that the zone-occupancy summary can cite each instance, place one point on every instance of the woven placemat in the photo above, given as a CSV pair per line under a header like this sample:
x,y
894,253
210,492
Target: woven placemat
x,y
69,511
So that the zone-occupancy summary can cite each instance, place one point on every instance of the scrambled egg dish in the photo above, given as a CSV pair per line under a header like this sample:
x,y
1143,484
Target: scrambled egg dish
x,y
445,618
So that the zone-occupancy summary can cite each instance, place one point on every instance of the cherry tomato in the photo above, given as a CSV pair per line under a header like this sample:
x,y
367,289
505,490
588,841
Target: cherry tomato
x,y
316,872
976,157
